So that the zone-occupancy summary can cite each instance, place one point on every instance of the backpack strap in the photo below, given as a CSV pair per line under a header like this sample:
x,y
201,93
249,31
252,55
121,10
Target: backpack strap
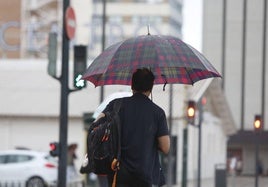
x,y
116,162
117,106
116,109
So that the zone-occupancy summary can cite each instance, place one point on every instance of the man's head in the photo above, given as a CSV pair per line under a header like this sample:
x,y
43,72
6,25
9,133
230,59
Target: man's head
x,y
142,80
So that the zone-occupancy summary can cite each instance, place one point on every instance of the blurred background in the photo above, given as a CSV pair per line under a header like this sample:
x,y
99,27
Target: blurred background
x,y
231,34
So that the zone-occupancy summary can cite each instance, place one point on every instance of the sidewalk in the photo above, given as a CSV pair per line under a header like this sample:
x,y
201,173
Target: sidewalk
x,y
239,181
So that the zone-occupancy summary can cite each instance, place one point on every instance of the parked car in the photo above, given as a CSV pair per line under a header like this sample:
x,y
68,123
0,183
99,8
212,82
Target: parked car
x,y
27,168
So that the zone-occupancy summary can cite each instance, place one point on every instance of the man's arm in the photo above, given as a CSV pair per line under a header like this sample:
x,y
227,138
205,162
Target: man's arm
x,y
164,144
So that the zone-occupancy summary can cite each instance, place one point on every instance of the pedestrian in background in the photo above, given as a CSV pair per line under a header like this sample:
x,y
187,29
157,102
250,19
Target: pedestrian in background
x,y
144,132
239,166
72,174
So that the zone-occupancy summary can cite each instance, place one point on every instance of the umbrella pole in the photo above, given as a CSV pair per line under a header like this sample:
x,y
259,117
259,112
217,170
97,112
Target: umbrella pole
x,y
170,154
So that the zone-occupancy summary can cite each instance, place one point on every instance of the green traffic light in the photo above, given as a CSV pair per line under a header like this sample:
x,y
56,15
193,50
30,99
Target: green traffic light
x,y
79,83
80,63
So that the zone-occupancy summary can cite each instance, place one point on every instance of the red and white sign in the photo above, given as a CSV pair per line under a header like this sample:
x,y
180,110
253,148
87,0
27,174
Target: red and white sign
x,y
70,22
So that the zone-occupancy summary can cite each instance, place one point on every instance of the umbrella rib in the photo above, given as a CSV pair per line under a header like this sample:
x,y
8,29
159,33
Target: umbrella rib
x,y
192,82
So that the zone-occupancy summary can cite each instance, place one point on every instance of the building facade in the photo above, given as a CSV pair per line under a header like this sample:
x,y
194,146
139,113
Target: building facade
x,y
234,39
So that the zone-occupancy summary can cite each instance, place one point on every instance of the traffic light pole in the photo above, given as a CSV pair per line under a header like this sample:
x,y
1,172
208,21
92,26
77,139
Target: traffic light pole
x,y
184,156
256,160
190,120
64,79
200,109
64,104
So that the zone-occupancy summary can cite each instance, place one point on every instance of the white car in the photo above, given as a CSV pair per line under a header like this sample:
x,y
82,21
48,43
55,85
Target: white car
x,y
27,168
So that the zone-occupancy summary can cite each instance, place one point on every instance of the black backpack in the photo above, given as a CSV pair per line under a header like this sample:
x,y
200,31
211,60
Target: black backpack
x,y
103,143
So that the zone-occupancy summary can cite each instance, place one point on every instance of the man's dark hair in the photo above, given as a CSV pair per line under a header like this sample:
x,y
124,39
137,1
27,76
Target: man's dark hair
x,y
142,80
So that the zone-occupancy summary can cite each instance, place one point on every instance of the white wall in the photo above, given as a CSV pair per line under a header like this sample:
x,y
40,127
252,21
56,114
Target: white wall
x,y
212,47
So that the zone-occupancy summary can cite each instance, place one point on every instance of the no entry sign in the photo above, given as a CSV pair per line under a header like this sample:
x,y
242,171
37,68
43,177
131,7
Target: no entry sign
x,y
70,22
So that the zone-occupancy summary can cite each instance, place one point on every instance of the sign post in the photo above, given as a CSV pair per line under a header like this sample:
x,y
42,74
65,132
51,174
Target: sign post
x,y
68,33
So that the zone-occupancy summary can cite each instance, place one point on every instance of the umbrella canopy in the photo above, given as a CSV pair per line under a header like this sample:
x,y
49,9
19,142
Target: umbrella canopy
x,y
169,58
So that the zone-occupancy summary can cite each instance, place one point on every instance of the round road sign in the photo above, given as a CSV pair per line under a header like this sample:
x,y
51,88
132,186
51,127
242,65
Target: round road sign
x,y
70,22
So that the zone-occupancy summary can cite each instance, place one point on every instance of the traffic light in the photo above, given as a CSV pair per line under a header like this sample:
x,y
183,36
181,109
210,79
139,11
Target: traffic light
x,y
54,149
191,110
258,123
52,54
80,65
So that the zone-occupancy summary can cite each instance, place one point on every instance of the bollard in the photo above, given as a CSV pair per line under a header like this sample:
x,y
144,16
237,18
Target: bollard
x,y
220,175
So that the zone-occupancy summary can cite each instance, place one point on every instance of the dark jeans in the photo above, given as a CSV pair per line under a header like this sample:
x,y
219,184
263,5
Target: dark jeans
x,y
126,179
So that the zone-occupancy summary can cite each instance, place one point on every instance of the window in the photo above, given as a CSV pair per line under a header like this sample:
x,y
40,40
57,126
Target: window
x,y
18,158
2,159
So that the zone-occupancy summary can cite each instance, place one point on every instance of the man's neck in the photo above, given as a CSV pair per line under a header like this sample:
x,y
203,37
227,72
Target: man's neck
x,y
147,93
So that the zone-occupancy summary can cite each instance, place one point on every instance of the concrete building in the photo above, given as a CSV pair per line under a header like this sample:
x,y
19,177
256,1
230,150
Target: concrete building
x,y
234,39
31,98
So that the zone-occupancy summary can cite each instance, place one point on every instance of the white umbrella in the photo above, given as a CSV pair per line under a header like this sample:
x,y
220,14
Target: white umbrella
x,y
108,99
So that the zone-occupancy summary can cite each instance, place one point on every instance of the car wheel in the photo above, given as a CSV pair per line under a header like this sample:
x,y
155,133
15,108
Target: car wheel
x,y
35,182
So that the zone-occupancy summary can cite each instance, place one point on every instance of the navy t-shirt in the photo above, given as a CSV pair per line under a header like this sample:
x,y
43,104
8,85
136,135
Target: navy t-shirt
x,y
142,122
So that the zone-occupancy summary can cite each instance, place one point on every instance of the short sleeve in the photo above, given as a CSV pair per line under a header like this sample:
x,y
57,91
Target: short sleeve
x,y
162,125
115,104
109,107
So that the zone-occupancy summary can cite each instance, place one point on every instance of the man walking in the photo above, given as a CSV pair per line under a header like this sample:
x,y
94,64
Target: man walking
x,y
144,132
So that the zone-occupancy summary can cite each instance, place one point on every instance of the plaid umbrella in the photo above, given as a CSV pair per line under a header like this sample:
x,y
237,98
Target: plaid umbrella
x,y
169,58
